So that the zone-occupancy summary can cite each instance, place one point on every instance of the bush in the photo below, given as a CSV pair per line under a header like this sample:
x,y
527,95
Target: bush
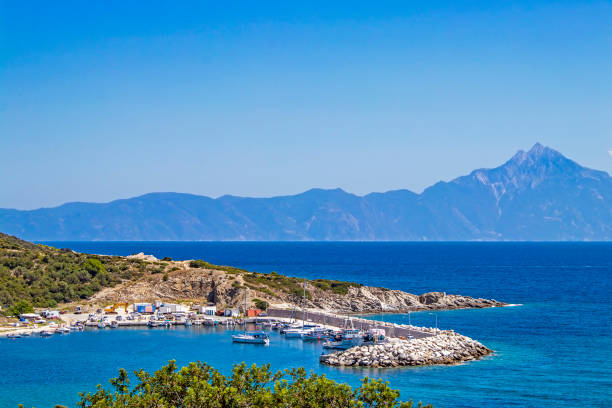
x,y
19,307
260,304
200,385
165,277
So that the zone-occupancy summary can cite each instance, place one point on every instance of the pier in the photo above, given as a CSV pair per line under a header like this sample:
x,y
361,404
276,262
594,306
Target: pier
x,y
391,330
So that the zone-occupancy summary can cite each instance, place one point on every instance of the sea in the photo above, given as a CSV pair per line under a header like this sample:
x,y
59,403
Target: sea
x,y
553,349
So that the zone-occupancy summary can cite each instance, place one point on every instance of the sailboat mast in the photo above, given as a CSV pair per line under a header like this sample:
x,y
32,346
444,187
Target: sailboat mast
x,y
304,304
245,309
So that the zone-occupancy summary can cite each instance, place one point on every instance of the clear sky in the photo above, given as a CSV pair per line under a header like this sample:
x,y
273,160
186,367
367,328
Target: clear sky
x,y
112,99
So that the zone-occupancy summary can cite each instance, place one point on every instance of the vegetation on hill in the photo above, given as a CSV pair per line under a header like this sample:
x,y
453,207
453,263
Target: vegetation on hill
x,y
42,276
200,385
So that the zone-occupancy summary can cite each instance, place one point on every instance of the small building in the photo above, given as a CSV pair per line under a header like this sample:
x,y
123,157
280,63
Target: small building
x,y
209,310
231,312
144,308
164,310
51,314
253,312
26,317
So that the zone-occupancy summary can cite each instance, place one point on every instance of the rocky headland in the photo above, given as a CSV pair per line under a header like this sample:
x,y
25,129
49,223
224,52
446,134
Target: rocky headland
x,y
224,286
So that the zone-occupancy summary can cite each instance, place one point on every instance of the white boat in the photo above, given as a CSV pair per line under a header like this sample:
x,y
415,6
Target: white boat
x,y
350,338
316,334
114,324
101,325
188,323
295,333
46,333
251,338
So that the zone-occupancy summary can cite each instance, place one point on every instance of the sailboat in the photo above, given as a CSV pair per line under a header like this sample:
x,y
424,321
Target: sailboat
x,y
298,332
250,337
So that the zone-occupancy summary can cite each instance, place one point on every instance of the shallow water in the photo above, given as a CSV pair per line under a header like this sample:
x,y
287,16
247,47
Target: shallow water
x,y
554,350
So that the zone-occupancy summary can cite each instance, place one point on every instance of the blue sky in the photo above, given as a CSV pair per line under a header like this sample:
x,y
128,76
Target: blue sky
x,y
112,99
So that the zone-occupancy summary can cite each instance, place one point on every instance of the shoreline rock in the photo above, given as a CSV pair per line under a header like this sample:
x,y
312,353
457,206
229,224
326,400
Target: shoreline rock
x,y
445,348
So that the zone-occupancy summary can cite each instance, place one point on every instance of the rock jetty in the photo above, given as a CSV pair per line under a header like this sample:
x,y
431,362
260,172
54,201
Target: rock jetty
x,y
447,347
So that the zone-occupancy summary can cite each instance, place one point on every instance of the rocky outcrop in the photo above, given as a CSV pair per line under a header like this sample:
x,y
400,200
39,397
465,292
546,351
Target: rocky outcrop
x,y
447,347
141,256
368,299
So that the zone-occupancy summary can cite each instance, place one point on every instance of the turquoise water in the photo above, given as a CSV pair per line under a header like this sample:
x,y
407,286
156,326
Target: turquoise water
x,y
554,350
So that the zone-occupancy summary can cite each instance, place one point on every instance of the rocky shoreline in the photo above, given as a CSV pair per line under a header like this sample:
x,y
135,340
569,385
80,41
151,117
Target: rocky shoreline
x,y
445,348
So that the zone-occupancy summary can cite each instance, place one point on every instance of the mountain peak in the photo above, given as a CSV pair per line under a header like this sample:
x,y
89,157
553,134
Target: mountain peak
x,y
535,155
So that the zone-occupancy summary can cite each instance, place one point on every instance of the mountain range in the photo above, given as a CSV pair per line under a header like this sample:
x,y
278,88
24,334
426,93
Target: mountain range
x,y
537,195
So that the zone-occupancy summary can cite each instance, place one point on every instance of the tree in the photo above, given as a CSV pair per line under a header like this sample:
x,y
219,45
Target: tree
x,y
21,306
200,385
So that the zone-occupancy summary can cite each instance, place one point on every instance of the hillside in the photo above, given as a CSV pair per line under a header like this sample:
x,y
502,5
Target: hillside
x,y
536,195
46,276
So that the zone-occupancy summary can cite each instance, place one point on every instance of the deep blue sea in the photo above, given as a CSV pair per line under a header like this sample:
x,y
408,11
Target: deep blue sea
x,y
555,350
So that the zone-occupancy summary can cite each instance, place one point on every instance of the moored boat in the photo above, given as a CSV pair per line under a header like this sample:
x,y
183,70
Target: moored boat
x,y
251,338
317,334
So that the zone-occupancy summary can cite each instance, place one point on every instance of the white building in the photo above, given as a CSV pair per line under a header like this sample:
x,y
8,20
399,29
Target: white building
x,y
232,312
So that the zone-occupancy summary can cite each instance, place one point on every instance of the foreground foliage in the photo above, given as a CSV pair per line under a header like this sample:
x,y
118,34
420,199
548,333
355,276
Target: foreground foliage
x,y
200,385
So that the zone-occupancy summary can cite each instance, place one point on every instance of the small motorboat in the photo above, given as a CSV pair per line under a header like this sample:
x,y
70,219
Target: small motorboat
x,y
348,338
46,333
14,336
251,338
114,324
295,333
101,325
316,335
188,323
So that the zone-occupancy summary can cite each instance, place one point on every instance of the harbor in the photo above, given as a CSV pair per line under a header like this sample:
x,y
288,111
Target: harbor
x,y
344,340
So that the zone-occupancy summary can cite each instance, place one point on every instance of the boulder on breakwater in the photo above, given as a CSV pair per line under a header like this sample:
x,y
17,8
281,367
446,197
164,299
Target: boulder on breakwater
x,y
447,347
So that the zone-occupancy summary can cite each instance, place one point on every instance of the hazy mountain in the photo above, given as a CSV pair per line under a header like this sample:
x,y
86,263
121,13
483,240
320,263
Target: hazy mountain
x,y
536,195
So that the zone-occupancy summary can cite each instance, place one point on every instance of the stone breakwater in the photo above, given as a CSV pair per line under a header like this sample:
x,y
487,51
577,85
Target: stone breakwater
x,y
447,347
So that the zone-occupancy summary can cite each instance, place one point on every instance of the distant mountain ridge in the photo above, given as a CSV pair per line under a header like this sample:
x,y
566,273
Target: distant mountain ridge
x,y
536,195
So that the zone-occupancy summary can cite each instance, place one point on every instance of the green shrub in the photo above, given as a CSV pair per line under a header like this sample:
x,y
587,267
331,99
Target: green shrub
x,y
260,304
200,385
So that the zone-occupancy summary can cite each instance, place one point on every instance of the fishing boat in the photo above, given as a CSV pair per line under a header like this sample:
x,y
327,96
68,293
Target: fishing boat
x,y
295,333
349,337
317,334
250,337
